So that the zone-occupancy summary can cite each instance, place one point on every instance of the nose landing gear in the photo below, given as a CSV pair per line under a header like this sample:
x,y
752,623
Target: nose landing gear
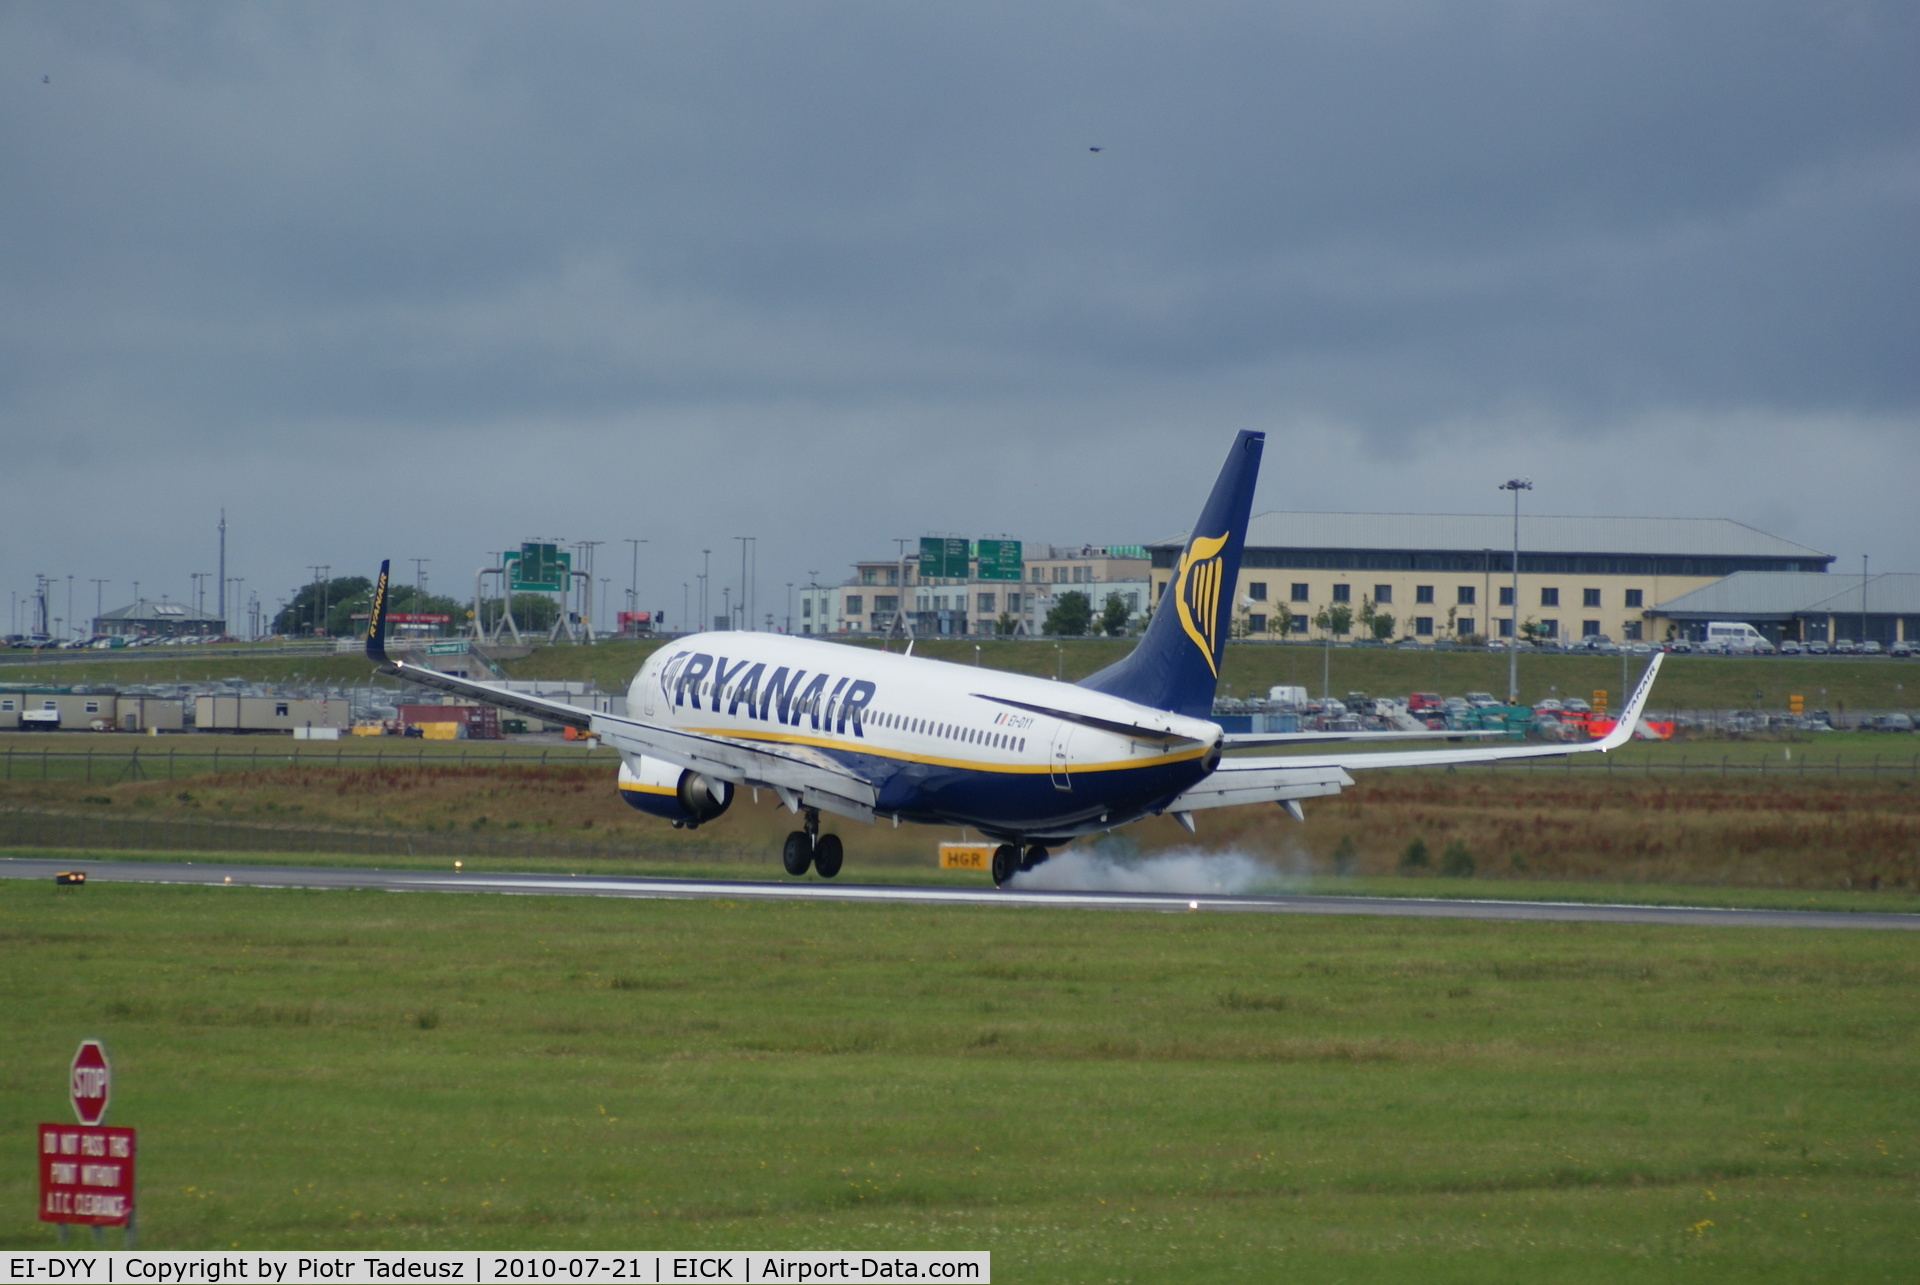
x,y
809,847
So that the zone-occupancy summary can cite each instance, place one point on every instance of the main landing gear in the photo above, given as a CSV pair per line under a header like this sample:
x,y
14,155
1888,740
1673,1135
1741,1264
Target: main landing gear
x,y
809,847
1009,860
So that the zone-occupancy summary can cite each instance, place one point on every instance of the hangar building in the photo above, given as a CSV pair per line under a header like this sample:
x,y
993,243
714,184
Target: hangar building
x,y
165,618
1804,607
1448,576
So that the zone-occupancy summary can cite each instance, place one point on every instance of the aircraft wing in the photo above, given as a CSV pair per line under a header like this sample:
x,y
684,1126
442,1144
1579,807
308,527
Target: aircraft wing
x,y
1250,740
801,776
1289,778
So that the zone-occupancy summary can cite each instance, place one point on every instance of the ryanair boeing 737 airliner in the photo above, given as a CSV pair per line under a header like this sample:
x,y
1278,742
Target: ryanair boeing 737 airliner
x,y
1026,761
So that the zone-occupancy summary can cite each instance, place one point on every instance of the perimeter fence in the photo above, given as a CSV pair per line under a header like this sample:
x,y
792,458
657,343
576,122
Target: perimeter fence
x,y
111,765
33,828
194,756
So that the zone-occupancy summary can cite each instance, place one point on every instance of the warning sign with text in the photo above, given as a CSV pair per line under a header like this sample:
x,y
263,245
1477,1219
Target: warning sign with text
x,y
86,1174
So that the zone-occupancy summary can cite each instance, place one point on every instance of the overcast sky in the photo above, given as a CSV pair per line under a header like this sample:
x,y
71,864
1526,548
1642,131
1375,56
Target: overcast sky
x,y
428,280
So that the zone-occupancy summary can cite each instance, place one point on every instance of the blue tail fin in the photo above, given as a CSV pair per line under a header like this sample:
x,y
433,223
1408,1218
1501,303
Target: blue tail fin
x,y
1177,663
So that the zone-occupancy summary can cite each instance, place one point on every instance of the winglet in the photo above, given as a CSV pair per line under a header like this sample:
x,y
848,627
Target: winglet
x,y
377,621
1636,706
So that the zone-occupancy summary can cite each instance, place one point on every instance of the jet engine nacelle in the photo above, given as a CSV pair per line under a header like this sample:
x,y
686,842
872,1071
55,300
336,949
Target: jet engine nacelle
x,y
678,794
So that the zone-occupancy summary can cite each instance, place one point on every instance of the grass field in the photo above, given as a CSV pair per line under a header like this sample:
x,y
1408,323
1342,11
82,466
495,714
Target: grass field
x,y
1091,1096
1686,682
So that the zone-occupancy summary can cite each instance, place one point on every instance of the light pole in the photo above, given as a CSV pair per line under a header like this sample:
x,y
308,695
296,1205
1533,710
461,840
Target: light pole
x,y
706,567
746,615
633,592
1516,485
99,587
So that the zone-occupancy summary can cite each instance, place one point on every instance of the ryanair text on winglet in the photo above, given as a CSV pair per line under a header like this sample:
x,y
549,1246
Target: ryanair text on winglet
x,y
190,1267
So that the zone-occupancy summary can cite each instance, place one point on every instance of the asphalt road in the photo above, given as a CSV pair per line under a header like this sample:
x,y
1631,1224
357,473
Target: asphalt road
x,y
907,894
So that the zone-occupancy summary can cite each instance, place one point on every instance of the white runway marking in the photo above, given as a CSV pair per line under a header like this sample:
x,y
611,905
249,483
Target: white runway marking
x,y
909,894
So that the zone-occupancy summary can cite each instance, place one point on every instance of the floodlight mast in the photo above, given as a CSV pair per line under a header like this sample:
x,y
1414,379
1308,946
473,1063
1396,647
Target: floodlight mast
x,y
1516,485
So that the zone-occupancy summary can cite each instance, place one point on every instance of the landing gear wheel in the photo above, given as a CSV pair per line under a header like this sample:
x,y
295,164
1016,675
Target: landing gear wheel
x,y
827,856
1006,862
1034,856
797,855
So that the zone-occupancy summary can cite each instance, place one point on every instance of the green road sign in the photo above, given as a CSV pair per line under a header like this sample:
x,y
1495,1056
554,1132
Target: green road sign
x,y
942,558
456,648
1001,560
538,568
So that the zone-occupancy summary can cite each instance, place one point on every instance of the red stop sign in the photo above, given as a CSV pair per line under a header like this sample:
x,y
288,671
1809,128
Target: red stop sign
x,y
91,1082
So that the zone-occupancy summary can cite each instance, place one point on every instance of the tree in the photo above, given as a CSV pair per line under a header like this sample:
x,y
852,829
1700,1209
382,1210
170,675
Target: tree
x,y
1336,620
301,615
1366,613
1070,614
533,612
1281,621
1531,631
1005,624
1113,618
1382,625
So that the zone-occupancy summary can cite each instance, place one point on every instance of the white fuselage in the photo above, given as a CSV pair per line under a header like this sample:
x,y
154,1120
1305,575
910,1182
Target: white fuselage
x,y
942,742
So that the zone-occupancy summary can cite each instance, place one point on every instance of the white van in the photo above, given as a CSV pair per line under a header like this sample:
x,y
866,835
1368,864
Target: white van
x,y
1291,696
1736,636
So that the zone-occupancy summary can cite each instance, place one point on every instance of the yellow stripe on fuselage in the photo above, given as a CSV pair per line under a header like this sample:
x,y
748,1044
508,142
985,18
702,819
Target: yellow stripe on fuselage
x,y
971,765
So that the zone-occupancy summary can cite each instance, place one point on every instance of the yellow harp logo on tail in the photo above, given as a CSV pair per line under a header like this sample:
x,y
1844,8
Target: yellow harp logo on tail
x,y
1197,596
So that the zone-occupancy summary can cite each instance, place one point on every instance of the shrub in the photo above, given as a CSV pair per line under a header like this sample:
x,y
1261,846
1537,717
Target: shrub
x,y
1457,861
1345,856
1416,857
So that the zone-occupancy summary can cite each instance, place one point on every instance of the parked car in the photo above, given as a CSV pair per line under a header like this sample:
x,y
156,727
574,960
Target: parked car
x,y
1893,723
1574,705
1548,706
1422,704
1480,700
1870,648
1790,648
1846,647
1902,649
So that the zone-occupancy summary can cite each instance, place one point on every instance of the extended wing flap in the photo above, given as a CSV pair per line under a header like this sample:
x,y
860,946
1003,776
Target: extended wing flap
x,y
1261,780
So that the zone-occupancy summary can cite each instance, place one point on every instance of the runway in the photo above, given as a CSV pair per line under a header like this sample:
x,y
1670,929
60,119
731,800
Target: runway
x,y
344,877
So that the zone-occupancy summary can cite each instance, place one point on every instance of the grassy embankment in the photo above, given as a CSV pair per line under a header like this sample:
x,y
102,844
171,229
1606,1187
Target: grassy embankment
x,y
1687,682
1089,1096
1629,832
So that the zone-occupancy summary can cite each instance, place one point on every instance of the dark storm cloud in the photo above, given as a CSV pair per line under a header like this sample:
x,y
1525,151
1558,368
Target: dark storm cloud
x,y
267,234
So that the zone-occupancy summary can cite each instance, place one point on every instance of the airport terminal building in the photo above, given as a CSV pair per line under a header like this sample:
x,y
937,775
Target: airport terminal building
x,y
1448,576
